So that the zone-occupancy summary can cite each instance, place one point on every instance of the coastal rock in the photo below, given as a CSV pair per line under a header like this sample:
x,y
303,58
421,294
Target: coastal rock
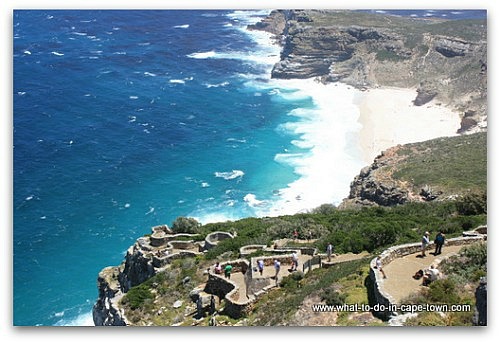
x,y
368,51
138,268
424,95
452,47
391,178
105,311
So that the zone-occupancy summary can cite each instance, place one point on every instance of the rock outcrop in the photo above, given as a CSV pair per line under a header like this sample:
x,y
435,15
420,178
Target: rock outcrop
x,y
445,60
481,315
375,184
382,183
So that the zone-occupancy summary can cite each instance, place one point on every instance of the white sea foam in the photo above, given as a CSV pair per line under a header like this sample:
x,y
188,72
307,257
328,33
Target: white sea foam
x,y
326,130
252,200
211,85
81,320
185,26
202,55
177,81
57,53
326,133
230,175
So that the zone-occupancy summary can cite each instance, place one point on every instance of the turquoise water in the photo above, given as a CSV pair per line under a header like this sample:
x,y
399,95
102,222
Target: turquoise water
x,y
124,120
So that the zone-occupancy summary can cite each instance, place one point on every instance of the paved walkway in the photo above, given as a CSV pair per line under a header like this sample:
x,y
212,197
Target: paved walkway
x,y
400,283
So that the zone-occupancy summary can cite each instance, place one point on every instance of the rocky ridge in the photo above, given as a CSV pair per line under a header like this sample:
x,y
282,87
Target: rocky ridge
x,y
446,60
378,184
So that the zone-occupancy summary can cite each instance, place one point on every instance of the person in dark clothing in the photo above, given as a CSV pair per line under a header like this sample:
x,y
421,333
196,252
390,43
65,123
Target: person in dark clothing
x,y
439,241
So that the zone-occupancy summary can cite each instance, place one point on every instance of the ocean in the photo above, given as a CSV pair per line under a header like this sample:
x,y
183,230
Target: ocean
x,y
124,120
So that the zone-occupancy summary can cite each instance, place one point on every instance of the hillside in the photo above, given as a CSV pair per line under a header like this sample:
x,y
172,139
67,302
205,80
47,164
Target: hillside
x,y
445,60
439,169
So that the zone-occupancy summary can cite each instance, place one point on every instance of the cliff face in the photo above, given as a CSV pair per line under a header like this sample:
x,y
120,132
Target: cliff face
x,y
446,60
114,282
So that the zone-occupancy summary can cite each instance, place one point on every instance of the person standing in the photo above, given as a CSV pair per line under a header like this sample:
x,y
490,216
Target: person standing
x,y
329,251
378,265
439,242
277,267
425,243
260,266
295,261
227,270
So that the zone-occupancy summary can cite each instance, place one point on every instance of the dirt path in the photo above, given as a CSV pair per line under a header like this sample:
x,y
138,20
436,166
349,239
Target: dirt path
x,y
400,283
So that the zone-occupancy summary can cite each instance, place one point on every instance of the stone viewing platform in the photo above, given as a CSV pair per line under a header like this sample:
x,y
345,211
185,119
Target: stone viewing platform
x,y
401,262
151,254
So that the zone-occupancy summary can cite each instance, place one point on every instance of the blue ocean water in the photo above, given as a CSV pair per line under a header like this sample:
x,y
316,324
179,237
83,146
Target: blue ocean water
x,y
124,120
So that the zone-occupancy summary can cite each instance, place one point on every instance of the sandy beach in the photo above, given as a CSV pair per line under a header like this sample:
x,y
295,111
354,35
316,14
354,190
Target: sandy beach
x,y
388,118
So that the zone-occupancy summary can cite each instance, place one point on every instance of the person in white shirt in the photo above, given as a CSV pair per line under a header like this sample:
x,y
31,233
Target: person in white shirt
x,y
425,242
295,261
431,274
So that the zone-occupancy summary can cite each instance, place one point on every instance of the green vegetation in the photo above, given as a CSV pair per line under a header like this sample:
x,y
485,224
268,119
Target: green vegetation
x,y
450,165
388,55
185,225
279,306
468,29
366,229
151,301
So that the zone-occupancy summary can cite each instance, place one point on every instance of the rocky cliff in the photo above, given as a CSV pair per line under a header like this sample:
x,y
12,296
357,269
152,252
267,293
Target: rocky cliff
x,y
435,170
446,60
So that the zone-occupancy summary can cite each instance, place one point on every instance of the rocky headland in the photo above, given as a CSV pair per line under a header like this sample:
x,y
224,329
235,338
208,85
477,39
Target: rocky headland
x,y
442,60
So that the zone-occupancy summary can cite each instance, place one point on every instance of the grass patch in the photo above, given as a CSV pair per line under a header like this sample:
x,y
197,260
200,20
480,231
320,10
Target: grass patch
x,y
450,165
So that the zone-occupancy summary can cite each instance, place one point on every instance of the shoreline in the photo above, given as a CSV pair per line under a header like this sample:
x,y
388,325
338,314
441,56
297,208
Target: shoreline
x,y
389,118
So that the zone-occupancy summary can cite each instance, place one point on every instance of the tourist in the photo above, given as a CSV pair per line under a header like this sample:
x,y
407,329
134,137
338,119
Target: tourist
x,y
227,270
218,268
329,251
277,266
260,266
295,261
439,241
430,275
378,265
295,234
425,243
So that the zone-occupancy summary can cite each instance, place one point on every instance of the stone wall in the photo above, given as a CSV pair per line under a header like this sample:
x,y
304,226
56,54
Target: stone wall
x,y
214,238
250,249
385,300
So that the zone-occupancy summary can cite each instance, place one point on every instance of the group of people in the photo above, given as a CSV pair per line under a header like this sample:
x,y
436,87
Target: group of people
x,y
438,242
260,267
227,269
430,274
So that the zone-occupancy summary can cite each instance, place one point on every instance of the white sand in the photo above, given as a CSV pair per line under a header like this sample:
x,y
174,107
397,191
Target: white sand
x,y
388,118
